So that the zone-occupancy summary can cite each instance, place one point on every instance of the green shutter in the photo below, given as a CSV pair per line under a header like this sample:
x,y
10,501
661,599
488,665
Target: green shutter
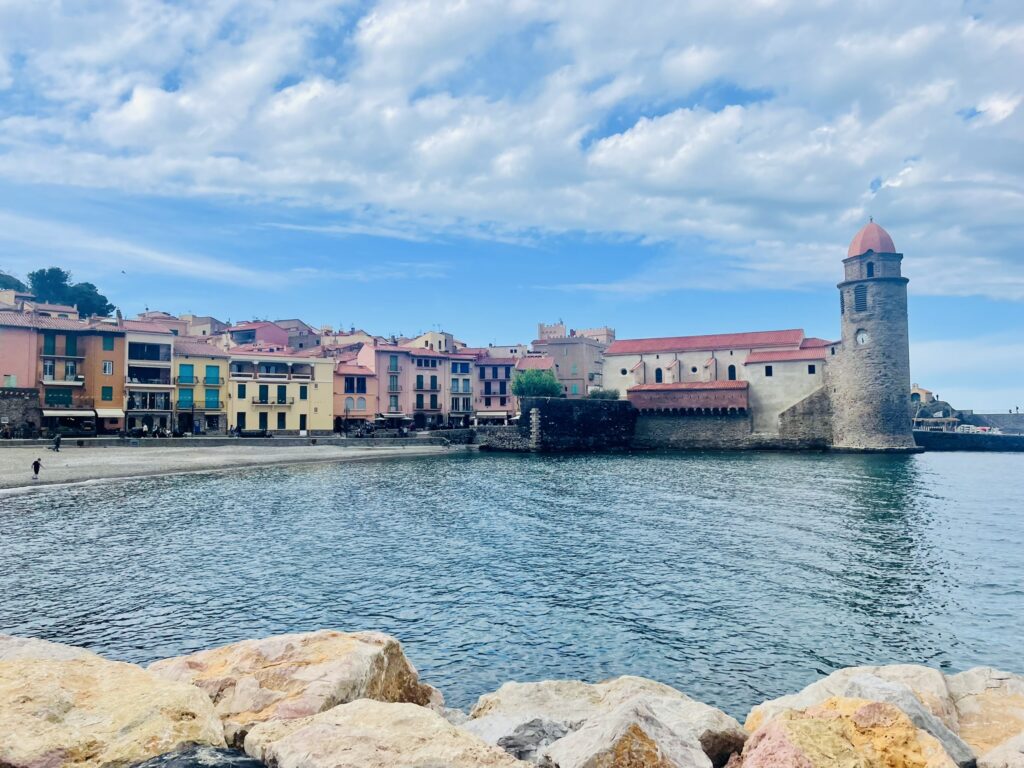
x,y
241,391
49,344
71,345
107,394
108,343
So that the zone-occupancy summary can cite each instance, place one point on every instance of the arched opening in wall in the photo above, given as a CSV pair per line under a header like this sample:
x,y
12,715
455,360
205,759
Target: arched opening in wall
x,y
658,376
732,373
915,397
860,298
871,269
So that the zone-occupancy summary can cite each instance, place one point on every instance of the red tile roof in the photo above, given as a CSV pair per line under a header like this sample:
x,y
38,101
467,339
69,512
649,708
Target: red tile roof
x,y
197,349
358,370
786,355
790,338
144,326
814,341
535,364
29,320
688,386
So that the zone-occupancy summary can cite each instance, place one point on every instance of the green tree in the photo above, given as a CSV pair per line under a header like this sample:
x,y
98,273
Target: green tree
x,y
9,282
604,394
534,383
53,285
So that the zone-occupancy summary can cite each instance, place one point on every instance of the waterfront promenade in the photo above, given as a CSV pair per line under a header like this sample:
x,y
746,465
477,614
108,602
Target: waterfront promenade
x,y
75,465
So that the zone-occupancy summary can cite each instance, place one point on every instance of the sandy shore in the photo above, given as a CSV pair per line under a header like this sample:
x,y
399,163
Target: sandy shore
x,y
74,465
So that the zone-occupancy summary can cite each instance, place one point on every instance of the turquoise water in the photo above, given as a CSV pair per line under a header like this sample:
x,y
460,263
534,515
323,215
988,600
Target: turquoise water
x,y
734,577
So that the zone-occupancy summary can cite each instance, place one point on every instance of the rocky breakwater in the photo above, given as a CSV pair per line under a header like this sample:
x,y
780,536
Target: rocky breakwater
x,y
336,700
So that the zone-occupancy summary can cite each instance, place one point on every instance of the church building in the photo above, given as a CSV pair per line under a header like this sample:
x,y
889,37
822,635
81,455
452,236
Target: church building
x,y
782,387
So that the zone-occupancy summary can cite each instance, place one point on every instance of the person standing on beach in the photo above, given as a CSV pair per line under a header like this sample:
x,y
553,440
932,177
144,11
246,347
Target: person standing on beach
x,y
56,443
36,466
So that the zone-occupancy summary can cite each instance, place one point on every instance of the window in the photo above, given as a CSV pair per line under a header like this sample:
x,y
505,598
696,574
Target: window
x,y
502,401
212,375
481,371
860,298
574,369
693,369
508,371
303,392
10,380
108,367
393,402
811,369
419,402
360,403
732,373
455,403
494,372
433,402
433,382
350,403
623,372
107,394
487,402
393,383
71,345
48,366
393,363
70,370
213,399
768,371
658,376
575,389
186,374
833,350
281,420
57,397
185,398
871,269
241,391
455,367
360,385
108,343
49,344
419,381
282,394
487,387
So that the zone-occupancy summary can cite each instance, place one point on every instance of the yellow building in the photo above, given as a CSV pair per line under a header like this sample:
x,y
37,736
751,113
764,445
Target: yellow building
x,y
280,392
200,387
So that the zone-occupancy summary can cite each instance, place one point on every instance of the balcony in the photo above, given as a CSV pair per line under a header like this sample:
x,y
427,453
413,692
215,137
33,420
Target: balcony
x,y
212,381
77,404
147,381
394,388
286,401
186,380
272,375
457,391
302,377
427,407
242,375
394,369
200,405
73,381
426,388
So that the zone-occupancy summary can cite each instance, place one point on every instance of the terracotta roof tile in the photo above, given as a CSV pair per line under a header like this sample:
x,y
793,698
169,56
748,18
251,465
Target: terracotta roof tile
x,y
29,320
198,349
706,343
358,370
535,364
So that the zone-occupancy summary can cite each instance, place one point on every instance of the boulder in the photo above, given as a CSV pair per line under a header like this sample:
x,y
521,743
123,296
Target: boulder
x,y
372,734
642,733
928,686
527,717
61,706
18,648
202,757
293,676
842,733
1009,754
989,706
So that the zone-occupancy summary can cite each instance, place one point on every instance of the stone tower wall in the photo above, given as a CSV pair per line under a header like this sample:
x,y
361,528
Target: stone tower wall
x,y
869,384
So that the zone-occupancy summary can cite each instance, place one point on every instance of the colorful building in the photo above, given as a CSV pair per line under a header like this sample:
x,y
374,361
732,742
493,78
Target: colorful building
x,y
280,392
355,395
494,401
149,385
200,380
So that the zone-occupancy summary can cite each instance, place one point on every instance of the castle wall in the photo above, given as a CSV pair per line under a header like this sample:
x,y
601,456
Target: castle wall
x,y
692,432
789,384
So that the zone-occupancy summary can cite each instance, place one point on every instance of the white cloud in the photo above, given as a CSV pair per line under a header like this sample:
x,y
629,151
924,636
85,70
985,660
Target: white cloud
x,y
761,128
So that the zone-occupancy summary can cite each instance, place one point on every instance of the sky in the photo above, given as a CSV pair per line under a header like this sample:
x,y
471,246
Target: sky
x,y
485,165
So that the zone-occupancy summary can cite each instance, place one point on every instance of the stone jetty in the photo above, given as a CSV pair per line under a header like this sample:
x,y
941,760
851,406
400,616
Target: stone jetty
x,y
331,699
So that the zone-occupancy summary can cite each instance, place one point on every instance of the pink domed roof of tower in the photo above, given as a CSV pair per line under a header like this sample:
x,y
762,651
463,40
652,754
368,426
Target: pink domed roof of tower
x,y
871,238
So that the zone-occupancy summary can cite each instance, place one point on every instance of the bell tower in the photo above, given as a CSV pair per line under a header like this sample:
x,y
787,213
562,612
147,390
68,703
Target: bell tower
x,y
870,379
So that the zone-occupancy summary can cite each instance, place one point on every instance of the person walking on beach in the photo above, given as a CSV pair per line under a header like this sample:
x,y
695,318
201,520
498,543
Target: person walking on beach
x,y
36,466
56,443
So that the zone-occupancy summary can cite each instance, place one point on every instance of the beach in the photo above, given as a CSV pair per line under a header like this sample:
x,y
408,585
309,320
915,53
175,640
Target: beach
x,y
75,464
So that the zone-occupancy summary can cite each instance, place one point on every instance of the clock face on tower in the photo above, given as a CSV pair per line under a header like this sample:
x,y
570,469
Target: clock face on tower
x,y
862,337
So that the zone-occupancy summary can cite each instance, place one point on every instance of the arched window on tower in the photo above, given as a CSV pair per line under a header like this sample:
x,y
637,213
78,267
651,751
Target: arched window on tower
x,y
732,373
658,376
871,269
860,298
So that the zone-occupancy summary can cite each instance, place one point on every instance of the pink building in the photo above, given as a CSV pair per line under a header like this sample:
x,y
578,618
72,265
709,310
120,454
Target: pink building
x,y
18,354
421,387
258,332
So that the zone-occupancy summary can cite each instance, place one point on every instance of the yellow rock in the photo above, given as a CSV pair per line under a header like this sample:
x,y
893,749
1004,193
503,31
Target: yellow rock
x,y
844,733
290,676
88,712
989,705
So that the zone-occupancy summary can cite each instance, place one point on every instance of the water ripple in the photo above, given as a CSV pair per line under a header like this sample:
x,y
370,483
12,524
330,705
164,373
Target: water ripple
x,y
732,577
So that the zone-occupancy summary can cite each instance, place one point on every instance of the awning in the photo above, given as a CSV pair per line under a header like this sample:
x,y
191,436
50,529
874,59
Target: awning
x,y
67,412
109,413
493,414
